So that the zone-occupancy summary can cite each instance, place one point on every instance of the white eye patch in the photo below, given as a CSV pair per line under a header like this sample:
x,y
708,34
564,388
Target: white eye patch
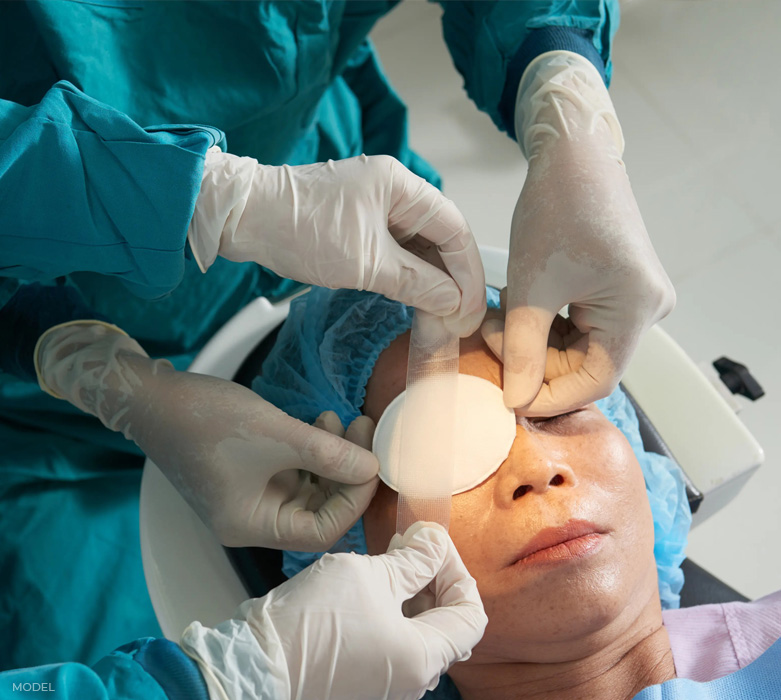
x,y
485,430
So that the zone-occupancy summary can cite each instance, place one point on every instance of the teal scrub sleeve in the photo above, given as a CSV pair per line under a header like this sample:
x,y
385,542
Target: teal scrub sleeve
x,y
152,669
8,288
31,311
85,188
492,41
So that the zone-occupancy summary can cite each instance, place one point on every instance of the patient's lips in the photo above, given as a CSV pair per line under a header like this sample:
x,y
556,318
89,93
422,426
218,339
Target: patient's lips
x,y
577,538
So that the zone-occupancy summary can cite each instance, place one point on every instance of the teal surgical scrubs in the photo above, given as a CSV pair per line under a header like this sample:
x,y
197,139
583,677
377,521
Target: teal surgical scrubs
x,y
107,108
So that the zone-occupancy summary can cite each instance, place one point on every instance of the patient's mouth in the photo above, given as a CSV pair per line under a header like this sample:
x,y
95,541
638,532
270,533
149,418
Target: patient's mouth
x,y
578,538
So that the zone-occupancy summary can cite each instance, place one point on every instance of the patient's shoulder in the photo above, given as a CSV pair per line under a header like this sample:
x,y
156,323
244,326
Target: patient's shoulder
x,y
710,641
754,626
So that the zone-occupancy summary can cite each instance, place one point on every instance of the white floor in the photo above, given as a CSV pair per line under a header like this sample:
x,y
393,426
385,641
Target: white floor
x,y
697,87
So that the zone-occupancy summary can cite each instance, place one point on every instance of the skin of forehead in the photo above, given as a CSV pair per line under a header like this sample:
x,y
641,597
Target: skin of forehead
x,y
389,377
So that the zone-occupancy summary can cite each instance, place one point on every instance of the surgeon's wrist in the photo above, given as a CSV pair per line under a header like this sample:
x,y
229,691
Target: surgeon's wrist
x,y
226,185
249,668
563,98
102,371
176,673
539,41
64,339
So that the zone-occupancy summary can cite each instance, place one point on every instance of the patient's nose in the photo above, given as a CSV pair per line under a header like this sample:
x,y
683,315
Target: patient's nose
x,y
540,485
533,469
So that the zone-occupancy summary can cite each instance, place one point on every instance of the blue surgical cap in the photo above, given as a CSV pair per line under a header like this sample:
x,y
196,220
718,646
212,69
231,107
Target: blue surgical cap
x,y
324,355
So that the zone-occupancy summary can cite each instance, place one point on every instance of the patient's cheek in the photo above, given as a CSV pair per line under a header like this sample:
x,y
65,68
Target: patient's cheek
x,y
468,523
471,526
617,461
379,520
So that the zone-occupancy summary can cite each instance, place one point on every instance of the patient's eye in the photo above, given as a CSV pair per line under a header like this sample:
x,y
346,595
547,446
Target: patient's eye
x,y
553,420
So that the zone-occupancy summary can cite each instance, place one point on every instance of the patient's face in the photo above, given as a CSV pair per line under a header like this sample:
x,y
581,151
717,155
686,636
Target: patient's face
x,y
574,467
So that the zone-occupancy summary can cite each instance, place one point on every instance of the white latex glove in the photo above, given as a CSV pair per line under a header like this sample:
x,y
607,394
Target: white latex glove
x,y
243,465
336,630
577,238
341,224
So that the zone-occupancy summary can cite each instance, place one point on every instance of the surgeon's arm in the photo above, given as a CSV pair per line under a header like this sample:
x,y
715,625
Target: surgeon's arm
x,y
310,633
83,187
153,669
492,42
28,314
577,239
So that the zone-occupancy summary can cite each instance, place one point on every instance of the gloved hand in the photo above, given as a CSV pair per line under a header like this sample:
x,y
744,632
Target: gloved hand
x,y
341,224
241,463
336,630
577,238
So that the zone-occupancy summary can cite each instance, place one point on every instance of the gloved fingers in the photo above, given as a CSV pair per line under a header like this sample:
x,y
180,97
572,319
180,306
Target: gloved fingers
x,y
332,457
524,352
567,346
318,491
419,208
321,529
461,258
471,282
361,432
451,632
466,268
457,621
328,459
330,422
423,600
492,328
597,376
566,360
255,518
564,333
403,276
492,331
415,557
446,584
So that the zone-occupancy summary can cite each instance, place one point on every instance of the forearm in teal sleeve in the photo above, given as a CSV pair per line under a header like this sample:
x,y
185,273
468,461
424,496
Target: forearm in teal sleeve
x,y
152,669
484,37
28,314
84,188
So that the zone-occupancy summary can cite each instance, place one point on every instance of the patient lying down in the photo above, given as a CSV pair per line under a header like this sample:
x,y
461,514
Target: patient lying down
x,y
560,539
577,620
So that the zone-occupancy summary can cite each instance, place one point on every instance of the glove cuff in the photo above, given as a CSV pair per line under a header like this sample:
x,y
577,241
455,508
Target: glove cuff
x,y
51,334
98,368
225,189
235,662
561,95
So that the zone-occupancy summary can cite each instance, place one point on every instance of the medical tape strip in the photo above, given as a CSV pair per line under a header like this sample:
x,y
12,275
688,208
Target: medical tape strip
x,y
424,470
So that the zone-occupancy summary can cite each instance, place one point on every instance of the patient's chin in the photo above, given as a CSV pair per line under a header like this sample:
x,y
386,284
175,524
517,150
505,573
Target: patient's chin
x,y
553,617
